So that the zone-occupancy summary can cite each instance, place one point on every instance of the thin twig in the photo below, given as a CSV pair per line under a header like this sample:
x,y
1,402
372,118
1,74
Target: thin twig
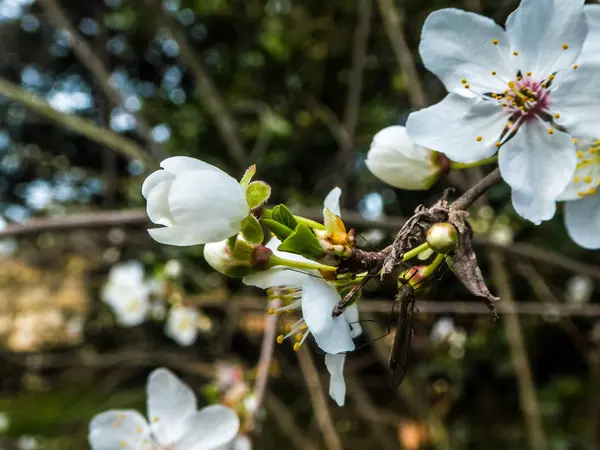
x,y
467,199
394,26
514,334
104,136
323,416
264,362
210,97
287,422
94,64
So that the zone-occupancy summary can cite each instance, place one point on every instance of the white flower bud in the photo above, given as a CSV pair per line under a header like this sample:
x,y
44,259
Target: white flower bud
x,y
196,202
399,162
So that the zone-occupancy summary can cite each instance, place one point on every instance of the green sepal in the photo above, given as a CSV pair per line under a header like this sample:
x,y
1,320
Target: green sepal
x,y
283,215
252,230
257,193
250,171
303,242
278,229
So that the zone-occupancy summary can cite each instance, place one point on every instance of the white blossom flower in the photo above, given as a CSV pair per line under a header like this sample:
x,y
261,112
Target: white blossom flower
x,y
399,162
182,325
582,208
173,268
174,421
519,91
127,293
195,201
442,329
579,289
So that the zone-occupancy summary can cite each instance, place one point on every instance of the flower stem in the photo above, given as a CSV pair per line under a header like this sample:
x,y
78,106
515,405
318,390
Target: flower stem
x,y
277,261
439,259
490,160
415,251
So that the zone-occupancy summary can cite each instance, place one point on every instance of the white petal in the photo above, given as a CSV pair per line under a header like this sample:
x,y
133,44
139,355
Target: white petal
x,y
337,384
587,172
277,276
537,166
331,333
399,162
537,29
453,126
242,442
332,201
170,401
591,48
153,180
182,326
184,235
582,218
207,199
177,165
208,429
575,98
351,315
458,45
132,307
157,206
127,273
118,429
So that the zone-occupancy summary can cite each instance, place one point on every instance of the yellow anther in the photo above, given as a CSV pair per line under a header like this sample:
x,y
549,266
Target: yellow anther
x,y
271,311
280,339
298,337
575,67
511,84
467,86
519,78
463,81
122,416
117,424
576,180
139,429
591,191
495,42
544,85
588,179
303,327
498,144
504,105
580,154
565,46
493,72
516,53
287,328
528,74
479,138
522,108
575,141
297,346
123,444
581,193
550,131
551,77
598,142
557,116
156,419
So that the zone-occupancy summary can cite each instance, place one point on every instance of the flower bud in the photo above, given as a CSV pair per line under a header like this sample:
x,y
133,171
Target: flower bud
x,y
241,261
413,276
442,237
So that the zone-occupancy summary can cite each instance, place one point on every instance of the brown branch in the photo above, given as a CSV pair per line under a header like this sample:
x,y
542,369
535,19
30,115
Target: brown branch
x,y
264,363
514,335
394,26
94,64
210,96
469,197
315,390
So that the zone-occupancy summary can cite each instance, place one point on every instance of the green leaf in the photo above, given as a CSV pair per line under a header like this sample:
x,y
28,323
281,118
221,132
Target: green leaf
x,y
303,242
257,193
278,229
284,216
252,230
250,172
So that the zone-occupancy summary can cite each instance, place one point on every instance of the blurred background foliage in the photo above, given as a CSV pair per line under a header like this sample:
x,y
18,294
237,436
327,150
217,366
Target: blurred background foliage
x,y
284,74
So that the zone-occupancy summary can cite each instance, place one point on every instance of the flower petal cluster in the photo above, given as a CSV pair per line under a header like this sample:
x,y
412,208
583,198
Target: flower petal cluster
x,y
173,421
519,91
196,202
127,293
396,160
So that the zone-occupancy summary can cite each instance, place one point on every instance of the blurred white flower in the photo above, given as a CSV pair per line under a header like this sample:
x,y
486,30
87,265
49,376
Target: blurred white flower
x,y
442,329
579,289
501,234
7,245
196,202
127,293
182,325
241,442
27,442
173,268
4,422
158,310
399,162
174,421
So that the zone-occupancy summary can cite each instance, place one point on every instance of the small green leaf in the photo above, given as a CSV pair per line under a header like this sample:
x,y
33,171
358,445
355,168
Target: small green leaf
x,y
303,242
284,216
257,193
278,229
250,171
252,230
